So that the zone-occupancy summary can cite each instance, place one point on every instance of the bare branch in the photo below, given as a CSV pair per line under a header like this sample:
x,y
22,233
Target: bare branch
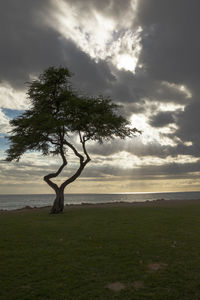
x,y
73,177
48,177
81,139
65,142
83,162
85,151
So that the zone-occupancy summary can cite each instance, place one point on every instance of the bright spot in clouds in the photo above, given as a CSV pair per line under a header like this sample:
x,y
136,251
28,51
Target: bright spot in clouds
x,y
150,134
100,36
125,61
170,106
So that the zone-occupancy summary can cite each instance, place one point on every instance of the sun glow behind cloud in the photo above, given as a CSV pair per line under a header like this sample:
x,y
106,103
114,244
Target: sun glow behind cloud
x,y
108,31
125,61
127,50
150,134
100,36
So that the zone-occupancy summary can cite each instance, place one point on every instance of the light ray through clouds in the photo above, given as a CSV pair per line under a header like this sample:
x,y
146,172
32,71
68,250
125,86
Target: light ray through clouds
x,y
100,36
111,45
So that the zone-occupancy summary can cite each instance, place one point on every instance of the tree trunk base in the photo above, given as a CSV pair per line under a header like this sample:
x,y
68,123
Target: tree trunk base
x,y
58,204
55,211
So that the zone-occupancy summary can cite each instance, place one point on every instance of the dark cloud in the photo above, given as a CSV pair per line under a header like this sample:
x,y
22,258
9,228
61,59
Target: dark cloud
x,y
27,47
134,88
141,149
167,170
189,124
162,119
104,171
131,88
134,146
89,76
171,53
170,58
170,43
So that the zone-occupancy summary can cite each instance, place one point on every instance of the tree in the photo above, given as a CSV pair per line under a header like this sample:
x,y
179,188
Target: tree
x,y
56,112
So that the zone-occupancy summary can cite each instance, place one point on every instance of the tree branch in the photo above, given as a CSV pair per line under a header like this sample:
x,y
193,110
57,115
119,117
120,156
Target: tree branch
x,y
83,141
48,177
85,151
82,162
65,142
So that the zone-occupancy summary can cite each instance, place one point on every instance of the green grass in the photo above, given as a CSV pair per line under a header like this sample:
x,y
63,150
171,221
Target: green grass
x,y
76,255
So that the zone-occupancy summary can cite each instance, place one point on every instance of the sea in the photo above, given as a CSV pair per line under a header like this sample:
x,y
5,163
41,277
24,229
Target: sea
x,y
13,202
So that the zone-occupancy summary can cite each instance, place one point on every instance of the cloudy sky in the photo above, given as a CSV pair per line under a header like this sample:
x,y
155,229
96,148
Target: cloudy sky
x,y
144,54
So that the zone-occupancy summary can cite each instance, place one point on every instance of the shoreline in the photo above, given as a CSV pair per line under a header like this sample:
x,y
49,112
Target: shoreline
x,y
153,203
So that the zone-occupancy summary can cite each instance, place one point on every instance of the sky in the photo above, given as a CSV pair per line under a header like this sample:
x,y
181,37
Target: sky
x,y
144,54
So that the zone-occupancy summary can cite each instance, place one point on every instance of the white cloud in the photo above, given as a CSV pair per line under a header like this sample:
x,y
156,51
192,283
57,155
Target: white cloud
x,y
126,50
150,134
100,36
180,88
4,123
11,98
169,106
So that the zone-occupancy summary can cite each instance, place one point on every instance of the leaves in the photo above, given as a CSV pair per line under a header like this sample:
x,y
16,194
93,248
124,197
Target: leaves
x,y
57,111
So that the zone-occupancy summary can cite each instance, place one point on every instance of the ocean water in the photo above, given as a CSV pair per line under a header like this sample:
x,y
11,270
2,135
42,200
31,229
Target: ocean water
x,y
11,202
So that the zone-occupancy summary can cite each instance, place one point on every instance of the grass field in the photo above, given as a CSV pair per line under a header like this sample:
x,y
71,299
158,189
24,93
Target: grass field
x,y
122,252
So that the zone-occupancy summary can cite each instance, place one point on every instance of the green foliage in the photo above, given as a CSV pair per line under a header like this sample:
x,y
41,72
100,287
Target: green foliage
x,y
57,111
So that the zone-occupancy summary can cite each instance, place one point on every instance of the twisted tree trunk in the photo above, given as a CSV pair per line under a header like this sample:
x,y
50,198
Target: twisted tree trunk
x,y
58,204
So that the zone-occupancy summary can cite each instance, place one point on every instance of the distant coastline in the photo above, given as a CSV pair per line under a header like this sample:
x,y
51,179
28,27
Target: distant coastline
x,y
153,203
14,202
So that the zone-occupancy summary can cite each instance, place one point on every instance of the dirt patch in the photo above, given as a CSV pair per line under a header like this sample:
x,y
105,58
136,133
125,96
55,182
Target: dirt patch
x,y
156,266
116,286
138,284
26,286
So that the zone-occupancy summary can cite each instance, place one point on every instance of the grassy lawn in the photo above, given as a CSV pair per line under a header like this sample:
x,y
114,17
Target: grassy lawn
x,y
150,252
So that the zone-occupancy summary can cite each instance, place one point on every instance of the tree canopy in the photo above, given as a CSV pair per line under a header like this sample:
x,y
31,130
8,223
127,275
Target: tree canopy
x,y
56,112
